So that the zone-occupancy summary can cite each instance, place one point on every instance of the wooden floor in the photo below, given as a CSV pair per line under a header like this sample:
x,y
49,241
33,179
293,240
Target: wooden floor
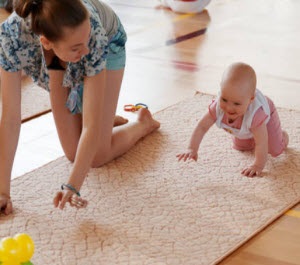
x,y
171,56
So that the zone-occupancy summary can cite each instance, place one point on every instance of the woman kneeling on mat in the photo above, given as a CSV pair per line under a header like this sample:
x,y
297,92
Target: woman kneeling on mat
x,y
76,50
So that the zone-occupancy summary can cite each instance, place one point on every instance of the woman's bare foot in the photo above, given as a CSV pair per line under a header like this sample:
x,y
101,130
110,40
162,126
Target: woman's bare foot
x,y
285,138
145,117
119,120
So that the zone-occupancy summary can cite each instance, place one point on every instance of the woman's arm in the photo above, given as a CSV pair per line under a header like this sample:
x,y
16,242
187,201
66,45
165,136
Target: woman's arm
x,y
9,126
92,113
88,144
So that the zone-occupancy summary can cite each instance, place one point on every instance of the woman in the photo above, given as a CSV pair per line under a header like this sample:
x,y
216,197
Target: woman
x,y
76,50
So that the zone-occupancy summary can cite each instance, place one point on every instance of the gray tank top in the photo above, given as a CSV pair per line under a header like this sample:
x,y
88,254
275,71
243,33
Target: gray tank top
x,y
107,16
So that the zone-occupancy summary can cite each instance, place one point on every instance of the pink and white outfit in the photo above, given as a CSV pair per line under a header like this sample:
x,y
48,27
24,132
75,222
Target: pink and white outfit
x,y
261,110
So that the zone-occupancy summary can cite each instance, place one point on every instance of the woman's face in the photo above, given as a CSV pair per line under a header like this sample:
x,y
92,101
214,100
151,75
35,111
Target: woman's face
x,y
74,45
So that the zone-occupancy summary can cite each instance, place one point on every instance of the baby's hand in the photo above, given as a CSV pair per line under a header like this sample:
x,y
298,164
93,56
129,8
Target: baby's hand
x,y
252,171
190,154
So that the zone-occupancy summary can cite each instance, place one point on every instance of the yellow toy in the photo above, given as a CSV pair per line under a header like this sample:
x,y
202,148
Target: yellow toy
x,y
16,250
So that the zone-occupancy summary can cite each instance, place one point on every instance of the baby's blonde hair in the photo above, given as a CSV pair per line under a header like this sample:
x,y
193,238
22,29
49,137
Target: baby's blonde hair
x,y
241,73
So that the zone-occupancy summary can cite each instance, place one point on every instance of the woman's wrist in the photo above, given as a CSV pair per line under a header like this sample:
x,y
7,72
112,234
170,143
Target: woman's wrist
x,y
71,188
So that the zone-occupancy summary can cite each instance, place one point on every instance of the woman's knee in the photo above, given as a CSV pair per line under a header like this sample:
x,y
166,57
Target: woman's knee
x,y
98,162
102,157
70,155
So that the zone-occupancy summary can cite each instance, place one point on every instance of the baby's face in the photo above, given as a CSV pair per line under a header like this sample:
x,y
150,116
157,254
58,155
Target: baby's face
x,y
235,99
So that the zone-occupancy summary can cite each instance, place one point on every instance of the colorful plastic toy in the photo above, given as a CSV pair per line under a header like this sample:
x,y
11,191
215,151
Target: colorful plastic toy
x,y
136,107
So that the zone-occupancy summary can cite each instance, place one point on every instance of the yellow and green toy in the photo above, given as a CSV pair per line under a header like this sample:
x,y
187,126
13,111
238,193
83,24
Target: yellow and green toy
x,y
16,250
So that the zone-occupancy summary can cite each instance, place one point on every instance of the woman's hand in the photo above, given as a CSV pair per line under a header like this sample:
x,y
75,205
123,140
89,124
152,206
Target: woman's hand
x,y
62,197
6,206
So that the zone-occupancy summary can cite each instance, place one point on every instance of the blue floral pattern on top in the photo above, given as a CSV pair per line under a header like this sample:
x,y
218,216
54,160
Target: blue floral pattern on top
x,y
20,48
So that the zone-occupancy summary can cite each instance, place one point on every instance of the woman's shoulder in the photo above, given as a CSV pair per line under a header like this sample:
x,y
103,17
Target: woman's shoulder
x,y
19,47
97,29
94,16
12,24
16,32
15,27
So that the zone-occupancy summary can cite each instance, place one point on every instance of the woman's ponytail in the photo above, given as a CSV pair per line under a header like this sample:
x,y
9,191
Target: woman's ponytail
x,y
48,17
26,7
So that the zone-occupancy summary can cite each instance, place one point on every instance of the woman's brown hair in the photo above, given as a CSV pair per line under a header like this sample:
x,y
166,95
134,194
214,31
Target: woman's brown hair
x,y
49,17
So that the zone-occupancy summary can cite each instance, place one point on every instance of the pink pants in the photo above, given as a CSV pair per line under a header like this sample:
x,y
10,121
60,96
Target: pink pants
x,y
276,142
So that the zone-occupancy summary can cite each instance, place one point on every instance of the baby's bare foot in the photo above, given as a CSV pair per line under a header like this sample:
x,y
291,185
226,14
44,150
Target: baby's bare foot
x,y
285,138
144,116
119,120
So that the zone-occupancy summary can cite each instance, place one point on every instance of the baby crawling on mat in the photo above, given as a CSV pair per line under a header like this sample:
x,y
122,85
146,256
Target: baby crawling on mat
x,y
244,112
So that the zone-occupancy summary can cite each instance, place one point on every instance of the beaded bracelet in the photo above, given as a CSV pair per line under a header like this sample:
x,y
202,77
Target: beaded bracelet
x,y
70,187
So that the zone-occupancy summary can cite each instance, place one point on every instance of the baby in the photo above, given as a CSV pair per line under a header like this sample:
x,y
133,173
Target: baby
x,y
244,112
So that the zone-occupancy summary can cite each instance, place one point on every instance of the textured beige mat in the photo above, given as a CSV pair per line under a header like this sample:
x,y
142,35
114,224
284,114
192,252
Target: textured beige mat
x,y
146,208
35,100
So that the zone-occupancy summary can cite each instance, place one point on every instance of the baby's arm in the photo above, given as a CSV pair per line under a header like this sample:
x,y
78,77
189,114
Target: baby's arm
x,y
202,127
261,151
